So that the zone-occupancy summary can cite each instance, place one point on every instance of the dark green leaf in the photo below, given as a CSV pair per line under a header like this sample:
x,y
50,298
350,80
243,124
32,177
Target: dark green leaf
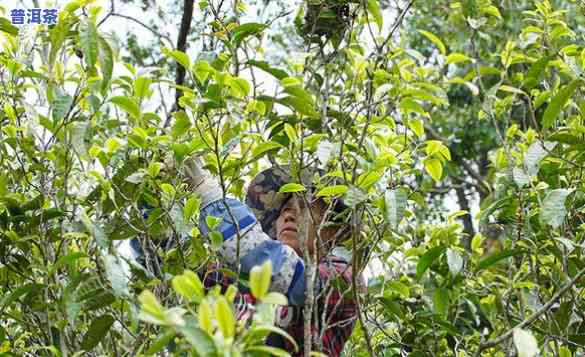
x,y
278,73
106,62
441,301
61,105
161,342
6,26
558,102
96,332
427,259
535,73
496,257
241,32
302,106
486,213
66,260
16,294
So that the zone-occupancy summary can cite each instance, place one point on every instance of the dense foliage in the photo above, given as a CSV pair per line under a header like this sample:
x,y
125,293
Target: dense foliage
x,y
479,103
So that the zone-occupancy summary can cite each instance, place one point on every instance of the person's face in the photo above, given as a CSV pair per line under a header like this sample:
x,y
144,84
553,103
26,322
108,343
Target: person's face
x,y
287,230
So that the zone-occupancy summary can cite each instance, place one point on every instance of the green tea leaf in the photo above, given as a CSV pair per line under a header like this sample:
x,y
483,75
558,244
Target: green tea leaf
x,y
128,105
395,204
60,106
191,207
265,147
435,40
7,27
151,310
260,279
118,274
240,87
427,259
18,292
181,57
335,190
265,66
182,124
141,86
558,102
106,62
434,168
204,317
189,286
270,351
535,73
243,31
496,257
160,343
225,317
374,10
457,58
292,187
88,41
199,340
96,332
441,301
553,209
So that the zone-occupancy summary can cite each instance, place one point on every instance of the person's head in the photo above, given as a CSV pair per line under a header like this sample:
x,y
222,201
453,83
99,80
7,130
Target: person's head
x,y
280,213
321,230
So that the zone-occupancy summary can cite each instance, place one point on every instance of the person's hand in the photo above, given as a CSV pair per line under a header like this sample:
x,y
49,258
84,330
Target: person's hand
x,y
192,169
193,172
200,181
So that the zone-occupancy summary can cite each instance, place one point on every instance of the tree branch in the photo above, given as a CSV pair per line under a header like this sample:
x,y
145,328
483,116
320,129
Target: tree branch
x,y
533,317
182,45
156,33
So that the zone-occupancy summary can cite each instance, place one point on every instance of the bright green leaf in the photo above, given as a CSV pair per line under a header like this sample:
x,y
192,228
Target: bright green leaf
x,y
435,40
128,105
374,10
434,168
189,286
260,279
335,190
88,41
457,58
264,147
291,187
225,317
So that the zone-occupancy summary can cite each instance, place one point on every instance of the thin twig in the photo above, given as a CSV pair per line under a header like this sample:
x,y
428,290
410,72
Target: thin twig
x,y
496,341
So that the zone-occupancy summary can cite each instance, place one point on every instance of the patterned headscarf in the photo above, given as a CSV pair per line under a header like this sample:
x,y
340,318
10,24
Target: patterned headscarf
x,y
265,200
